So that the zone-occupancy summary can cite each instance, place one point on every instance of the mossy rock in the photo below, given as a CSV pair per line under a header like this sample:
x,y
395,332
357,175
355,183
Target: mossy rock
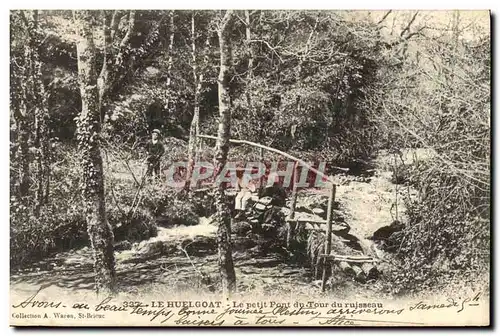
x,y
241,228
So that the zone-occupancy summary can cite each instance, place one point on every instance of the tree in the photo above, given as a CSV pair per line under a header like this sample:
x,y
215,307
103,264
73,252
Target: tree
x,y
251,57
38,101
18,74
114,64
170,61
223,217
89,128
198,77
29,104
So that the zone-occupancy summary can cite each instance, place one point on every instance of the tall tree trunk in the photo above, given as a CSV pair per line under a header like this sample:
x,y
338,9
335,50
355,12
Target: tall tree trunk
x,y
198,84
19,109
170,61
108,21
39,104
223,216
42,137
250,60
298,74
195,122
252,113
89,127
114,67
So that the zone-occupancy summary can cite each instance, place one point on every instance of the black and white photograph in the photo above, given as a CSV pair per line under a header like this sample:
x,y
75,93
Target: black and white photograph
x,y
250,168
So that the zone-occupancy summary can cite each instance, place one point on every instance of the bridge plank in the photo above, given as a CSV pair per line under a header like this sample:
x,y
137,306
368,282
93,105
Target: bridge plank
x,y
349,259
306,220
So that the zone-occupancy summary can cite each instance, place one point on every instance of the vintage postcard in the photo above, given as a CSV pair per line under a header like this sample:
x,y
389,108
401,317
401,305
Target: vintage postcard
x,y
250,168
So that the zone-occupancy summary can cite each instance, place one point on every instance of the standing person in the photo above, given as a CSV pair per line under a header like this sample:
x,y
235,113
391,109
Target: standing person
x,y
155,152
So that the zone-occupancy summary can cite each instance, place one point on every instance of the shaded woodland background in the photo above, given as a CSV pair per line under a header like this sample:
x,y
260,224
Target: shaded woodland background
x,y
321,85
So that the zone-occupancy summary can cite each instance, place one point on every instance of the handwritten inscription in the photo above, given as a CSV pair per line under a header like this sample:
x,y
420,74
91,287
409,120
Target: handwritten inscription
x,y
258,313
459,304
30,302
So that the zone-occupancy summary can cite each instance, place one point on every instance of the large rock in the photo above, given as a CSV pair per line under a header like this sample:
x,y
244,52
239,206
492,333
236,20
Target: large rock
x,y
241,228
385,232
151,248
307,202
244,243
318,211
123,245
200,245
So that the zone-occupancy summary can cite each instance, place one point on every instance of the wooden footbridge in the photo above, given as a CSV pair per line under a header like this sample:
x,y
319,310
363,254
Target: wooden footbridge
x,y
360,267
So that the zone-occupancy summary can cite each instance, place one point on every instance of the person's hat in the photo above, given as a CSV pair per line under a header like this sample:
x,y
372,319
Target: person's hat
x,y
157,131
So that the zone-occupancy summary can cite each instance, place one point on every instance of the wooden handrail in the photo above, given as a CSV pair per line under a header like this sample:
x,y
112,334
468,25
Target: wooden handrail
x,y
291,157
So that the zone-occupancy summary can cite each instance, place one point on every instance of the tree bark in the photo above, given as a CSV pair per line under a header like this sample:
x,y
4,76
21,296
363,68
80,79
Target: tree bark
x,y
99,230
223,216
19,109
250,59
103,80
198,78
39,104
194,128
170,61
114,65
256,115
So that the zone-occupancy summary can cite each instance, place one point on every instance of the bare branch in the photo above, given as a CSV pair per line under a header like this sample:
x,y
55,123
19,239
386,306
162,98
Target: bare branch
x,y
384,17
313,30
225,20
408,26
273,49
114,24
126,38
239,18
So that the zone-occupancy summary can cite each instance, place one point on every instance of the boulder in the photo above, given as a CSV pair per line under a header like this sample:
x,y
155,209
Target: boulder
x,y
151,248
360,275
318,211
370,270
241,228
123,245
385,232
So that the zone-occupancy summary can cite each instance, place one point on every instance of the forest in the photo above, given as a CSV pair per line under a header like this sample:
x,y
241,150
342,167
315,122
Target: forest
x,y
395,103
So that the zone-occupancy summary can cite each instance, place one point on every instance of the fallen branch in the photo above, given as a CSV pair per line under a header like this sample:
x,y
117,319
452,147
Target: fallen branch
x,y
205,279
131,172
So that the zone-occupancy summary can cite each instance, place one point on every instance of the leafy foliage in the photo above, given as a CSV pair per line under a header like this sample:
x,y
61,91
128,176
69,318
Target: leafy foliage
x,y
439,101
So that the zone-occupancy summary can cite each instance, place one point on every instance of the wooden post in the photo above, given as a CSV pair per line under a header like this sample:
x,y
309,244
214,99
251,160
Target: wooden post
x,y
293,202
396,184
199,149
328,245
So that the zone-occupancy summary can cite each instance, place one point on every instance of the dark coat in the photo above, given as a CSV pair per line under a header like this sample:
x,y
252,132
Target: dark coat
x,y
155,151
